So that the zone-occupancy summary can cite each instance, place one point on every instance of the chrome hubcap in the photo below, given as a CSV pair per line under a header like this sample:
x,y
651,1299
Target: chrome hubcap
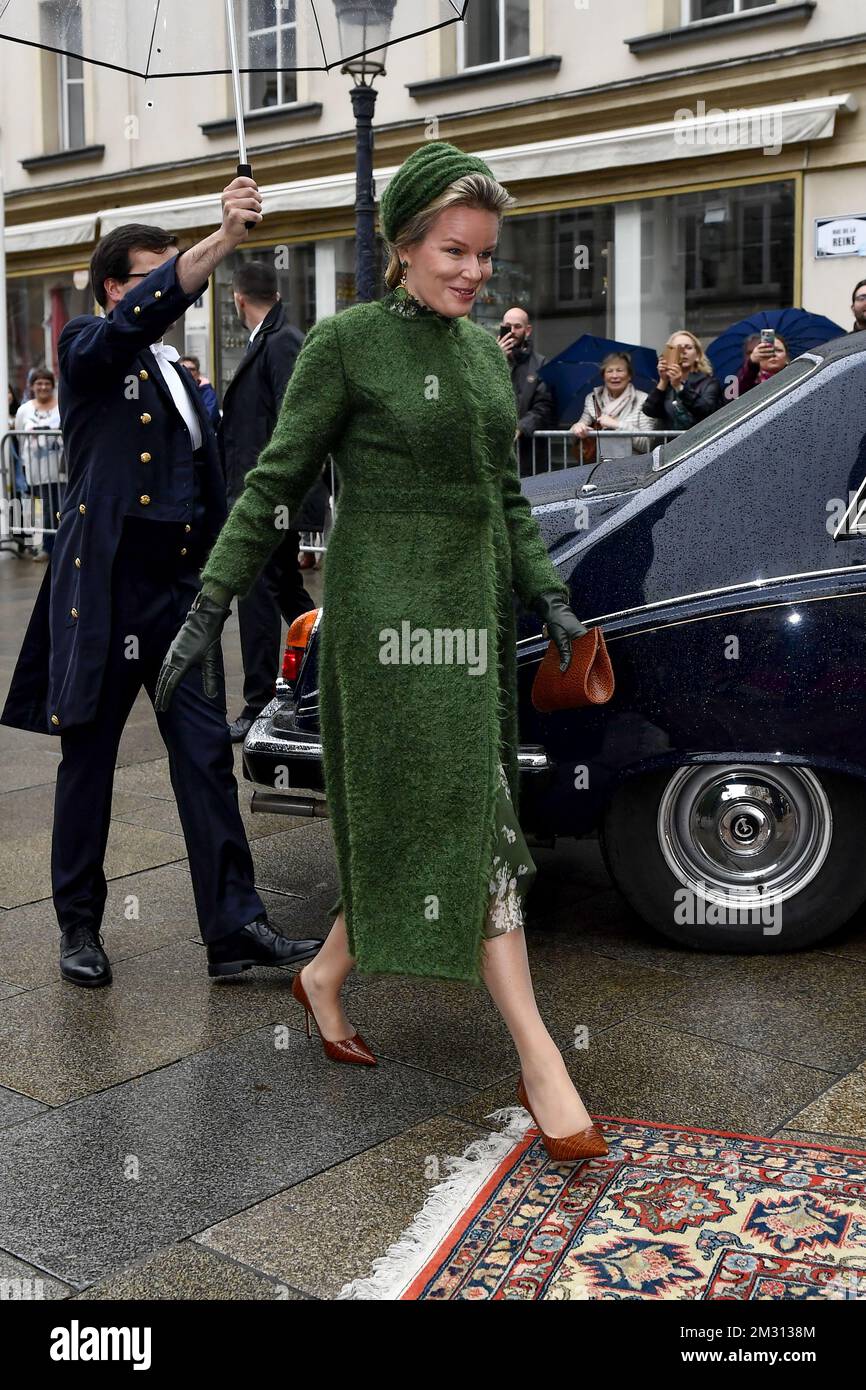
x,y
745,836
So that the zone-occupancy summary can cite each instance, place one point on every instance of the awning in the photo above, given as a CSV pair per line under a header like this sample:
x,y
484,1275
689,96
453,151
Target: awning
x,y
697,133
61,231
337,191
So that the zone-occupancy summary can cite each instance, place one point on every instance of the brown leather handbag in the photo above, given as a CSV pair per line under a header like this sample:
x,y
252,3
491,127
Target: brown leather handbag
x,y
588,681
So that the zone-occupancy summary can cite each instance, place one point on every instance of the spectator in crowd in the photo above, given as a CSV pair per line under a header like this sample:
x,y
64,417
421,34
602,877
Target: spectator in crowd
x,y
858,304
617,405
41,455
535,404
206,391
686,391
762,361
250,408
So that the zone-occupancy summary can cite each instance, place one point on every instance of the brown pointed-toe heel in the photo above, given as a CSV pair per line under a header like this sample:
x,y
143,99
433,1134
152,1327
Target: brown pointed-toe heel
x,y
588,1143
352,1049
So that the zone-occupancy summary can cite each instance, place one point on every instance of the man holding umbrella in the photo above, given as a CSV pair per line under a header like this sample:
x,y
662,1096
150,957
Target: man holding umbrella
x,y
144,503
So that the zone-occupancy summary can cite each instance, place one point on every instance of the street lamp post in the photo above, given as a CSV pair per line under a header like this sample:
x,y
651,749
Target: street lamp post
x,y
364,24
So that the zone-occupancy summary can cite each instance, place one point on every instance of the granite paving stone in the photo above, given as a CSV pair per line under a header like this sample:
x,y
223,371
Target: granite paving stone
x,y
640,1070
19,1280
301,860
322,1233
25,850
804,1006
15,1107
183,1148
60,1042
188,1272
840,1109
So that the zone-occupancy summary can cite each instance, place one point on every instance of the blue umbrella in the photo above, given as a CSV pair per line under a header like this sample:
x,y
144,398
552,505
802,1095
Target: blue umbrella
x,y
801,331
577,371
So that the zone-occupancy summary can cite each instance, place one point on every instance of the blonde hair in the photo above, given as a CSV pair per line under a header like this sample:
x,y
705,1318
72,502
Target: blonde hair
x,y
471,191
704,364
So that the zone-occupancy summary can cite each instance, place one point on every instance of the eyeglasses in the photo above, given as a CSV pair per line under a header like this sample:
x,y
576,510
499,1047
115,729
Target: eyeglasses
x,y
137,274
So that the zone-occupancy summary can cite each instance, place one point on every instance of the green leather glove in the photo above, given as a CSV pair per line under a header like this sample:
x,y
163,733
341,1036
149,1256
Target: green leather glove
x,y
562,623
197,644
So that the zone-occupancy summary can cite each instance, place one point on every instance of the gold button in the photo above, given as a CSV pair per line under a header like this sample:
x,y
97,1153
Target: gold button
x,y
57,514
77,563
54,719
183,550
137,309
145,458
144,500
146,419
82,508
143,375
73,612
187,529
157,294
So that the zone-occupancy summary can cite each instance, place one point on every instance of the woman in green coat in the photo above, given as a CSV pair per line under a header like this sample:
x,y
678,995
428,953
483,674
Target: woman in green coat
x,y
417,659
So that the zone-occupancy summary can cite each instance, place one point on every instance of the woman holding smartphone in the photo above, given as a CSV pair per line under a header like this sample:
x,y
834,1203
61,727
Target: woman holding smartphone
x,y
686,391
766,357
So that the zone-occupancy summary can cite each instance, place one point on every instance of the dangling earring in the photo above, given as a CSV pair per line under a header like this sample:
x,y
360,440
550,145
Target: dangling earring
x,y
404,266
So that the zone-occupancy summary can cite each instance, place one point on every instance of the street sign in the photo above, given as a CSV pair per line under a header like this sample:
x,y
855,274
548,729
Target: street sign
x,y
840,236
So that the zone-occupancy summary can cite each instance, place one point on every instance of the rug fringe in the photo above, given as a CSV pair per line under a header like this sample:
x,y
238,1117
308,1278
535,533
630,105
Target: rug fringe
x,y
467,1173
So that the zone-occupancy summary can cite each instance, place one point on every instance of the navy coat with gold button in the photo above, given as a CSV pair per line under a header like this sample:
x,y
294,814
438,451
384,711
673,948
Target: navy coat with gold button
x,y
128,454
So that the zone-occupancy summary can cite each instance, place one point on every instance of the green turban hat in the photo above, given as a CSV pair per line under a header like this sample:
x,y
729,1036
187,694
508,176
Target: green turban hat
x,y
422,177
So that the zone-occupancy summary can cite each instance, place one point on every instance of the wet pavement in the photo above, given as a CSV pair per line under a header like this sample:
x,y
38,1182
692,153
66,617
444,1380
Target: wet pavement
x,y
169,1137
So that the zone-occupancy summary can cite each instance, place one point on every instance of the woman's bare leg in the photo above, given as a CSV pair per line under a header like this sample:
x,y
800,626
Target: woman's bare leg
x,y
324,977
556,1103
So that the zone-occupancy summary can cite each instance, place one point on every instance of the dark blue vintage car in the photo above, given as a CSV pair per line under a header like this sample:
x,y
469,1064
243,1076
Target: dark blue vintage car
x,y
727,569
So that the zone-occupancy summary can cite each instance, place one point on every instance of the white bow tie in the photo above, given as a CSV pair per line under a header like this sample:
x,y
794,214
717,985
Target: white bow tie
x,y
165,351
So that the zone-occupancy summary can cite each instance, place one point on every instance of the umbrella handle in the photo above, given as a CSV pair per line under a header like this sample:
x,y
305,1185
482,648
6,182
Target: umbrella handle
x,y
246,171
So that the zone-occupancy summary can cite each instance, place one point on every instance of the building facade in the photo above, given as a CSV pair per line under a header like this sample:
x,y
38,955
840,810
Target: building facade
x,y
676,163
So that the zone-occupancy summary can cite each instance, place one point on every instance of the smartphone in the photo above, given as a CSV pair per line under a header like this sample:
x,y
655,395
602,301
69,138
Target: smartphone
x,y
504,330
671,355
768,336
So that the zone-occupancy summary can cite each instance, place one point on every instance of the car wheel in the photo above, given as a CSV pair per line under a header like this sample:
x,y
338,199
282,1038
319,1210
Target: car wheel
x,y
760,857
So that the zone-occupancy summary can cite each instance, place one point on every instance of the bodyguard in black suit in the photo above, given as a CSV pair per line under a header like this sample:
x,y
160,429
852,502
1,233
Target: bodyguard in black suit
x,y
250,408
144,504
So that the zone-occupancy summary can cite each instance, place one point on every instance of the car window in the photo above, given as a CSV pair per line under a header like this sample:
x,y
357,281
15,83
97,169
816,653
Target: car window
x,y
730,415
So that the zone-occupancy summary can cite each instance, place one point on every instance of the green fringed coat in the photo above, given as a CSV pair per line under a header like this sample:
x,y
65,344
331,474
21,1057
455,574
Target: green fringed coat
x,y
432,533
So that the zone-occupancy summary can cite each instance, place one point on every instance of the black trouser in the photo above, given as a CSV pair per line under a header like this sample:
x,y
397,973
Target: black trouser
x,y
278,593
152,588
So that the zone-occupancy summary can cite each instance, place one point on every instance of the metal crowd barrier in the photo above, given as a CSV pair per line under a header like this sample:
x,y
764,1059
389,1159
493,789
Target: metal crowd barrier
x,y
32,487
610,445
30,497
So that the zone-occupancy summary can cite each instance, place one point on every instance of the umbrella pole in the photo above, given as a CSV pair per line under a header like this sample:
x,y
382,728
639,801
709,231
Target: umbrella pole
x,y
243,166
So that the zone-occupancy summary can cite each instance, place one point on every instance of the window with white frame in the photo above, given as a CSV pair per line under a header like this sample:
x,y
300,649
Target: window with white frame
x,y
693,10
494,31
271,44
70,85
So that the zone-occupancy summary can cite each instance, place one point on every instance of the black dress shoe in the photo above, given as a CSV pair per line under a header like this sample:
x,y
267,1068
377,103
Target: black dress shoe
x,y
82,959
257,944
240,728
